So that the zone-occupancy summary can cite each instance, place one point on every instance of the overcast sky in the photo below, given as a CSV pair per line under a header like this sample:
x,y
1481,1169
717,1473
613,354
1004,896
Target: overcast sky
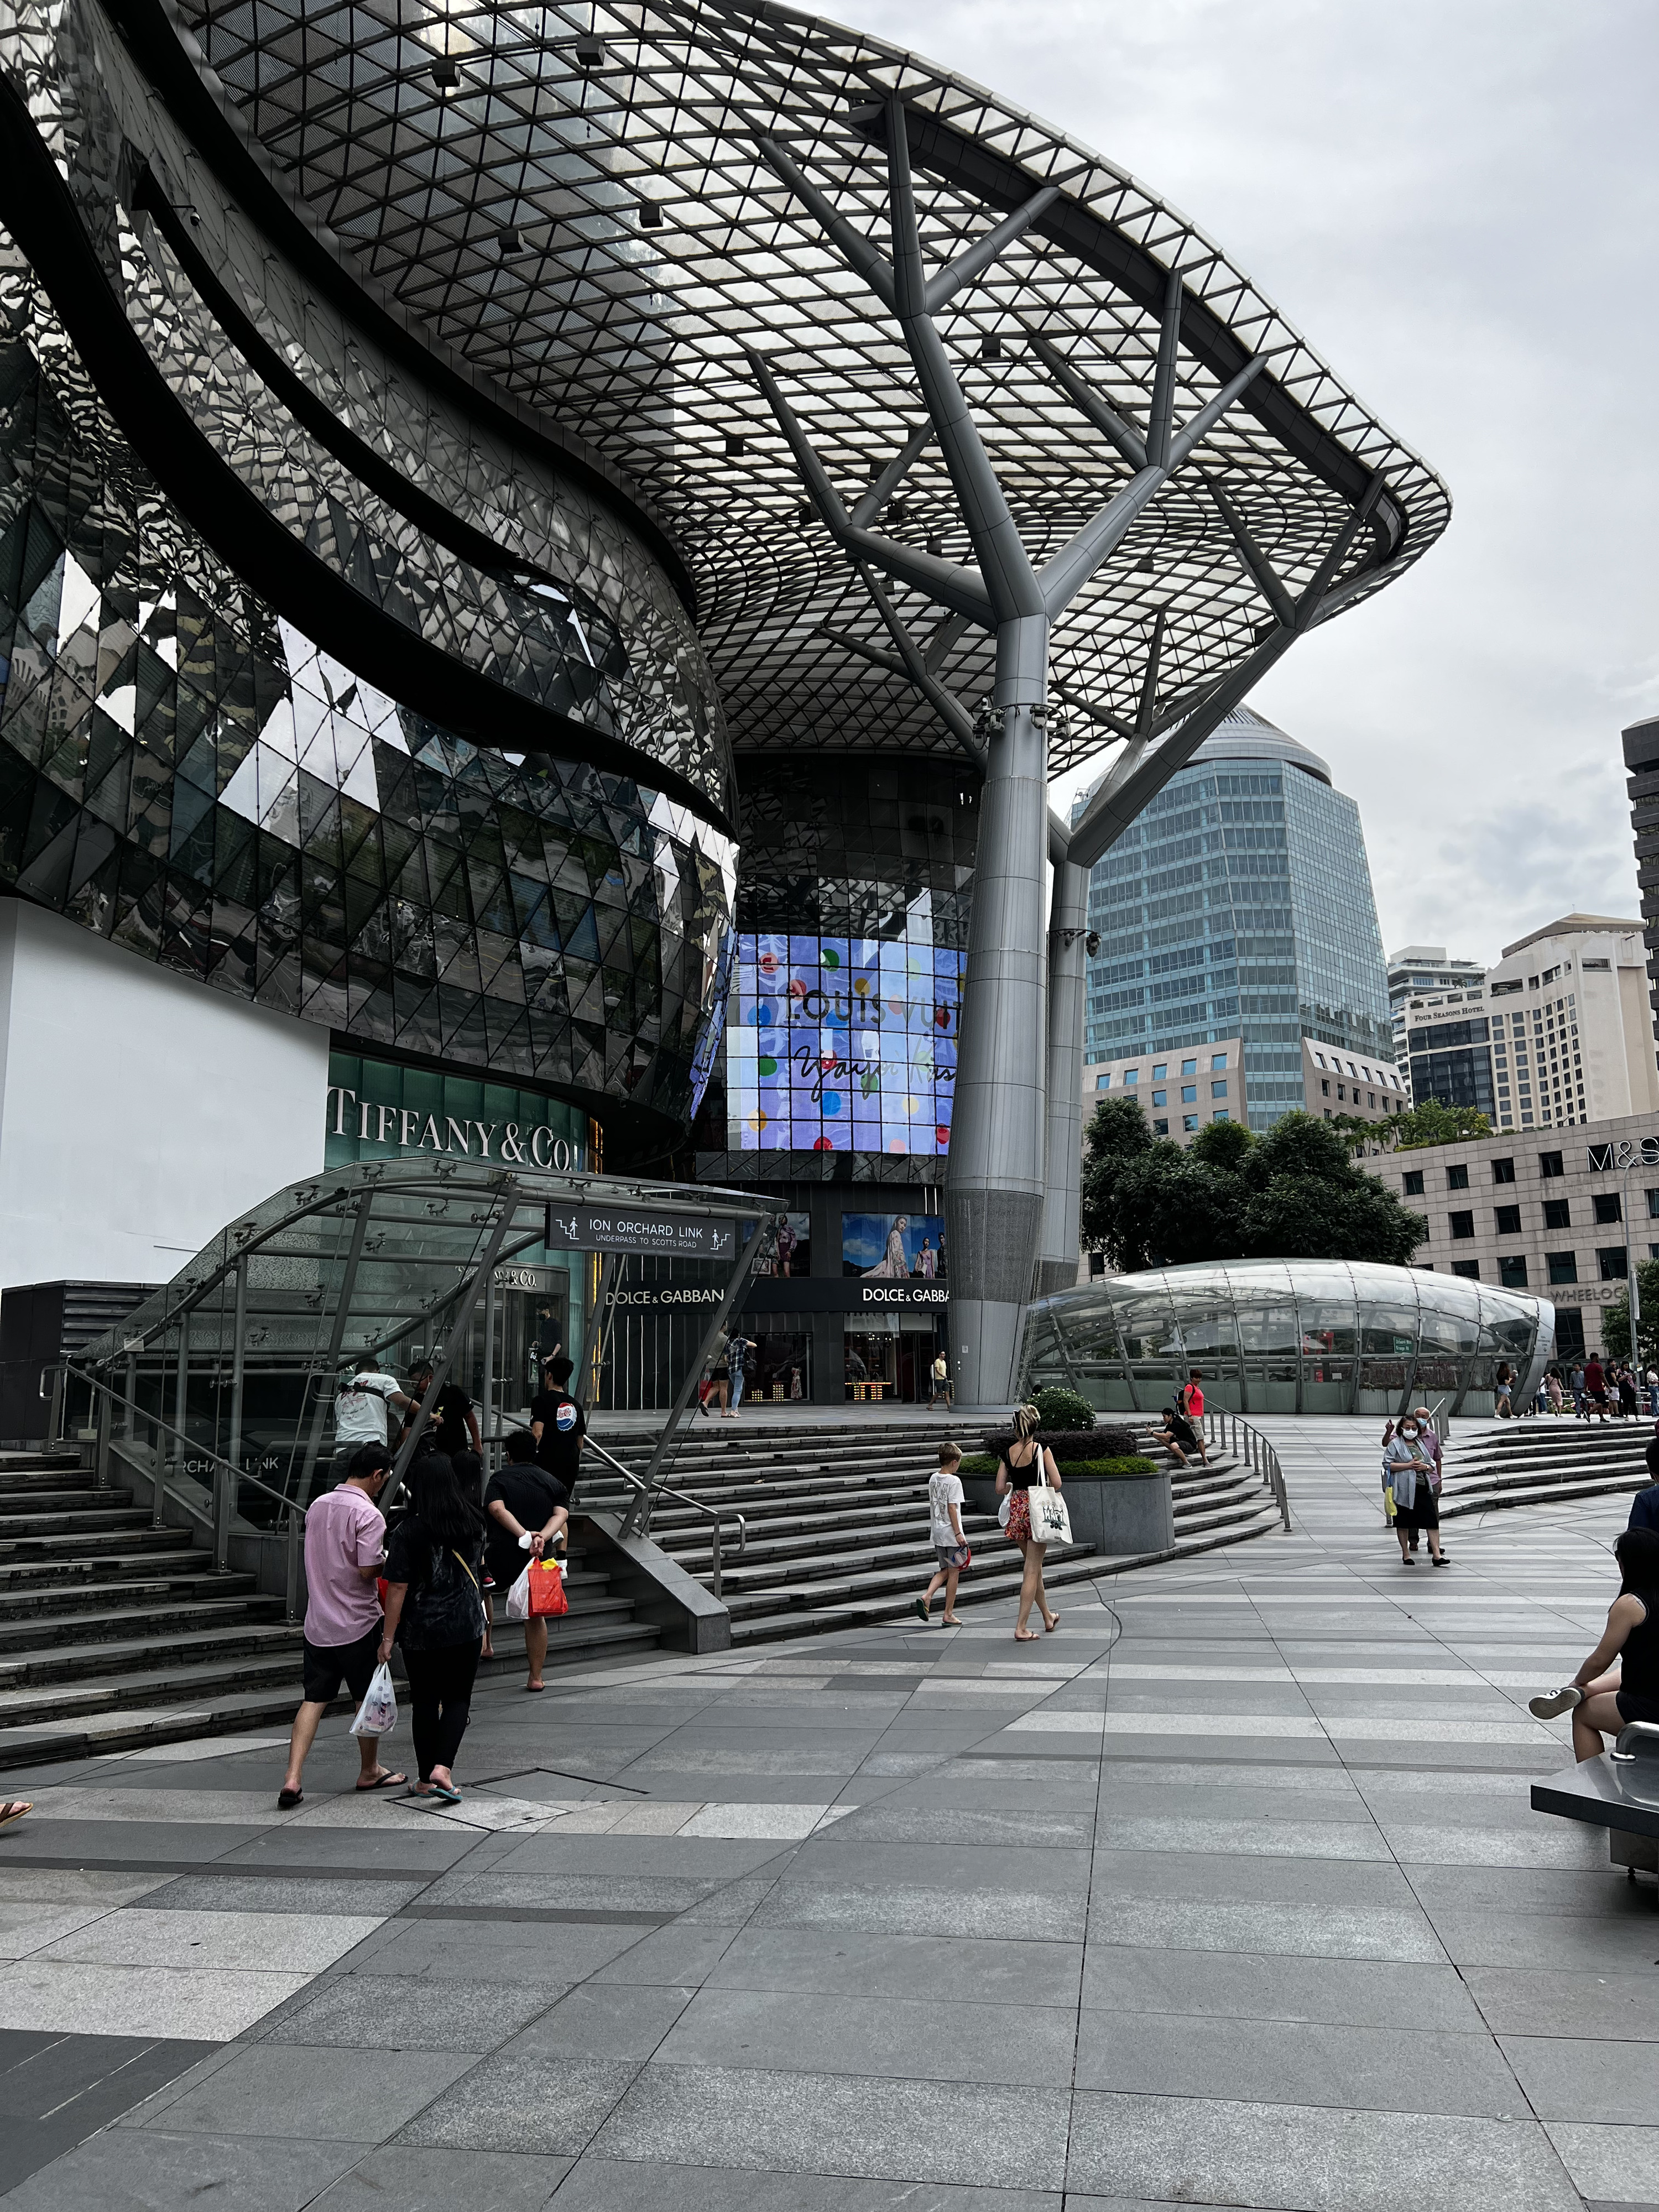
x,y
1457,201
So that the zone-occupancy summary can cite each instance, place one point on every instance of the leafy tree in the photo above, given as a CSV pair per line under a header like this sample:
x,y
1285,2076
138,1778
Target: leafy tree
x,y
1291,1194
1615,1319
1430,1123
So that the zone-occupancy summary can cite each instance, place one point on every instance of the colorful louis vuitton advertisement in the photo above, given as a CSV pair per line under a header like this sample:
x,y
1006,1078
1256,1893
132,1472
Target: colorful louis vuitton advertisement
x,y
844,1044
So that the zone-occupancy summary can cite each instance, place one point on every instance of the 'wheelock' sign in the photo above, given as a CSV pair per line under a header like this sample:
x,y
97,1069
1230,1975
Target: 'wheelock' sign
x,y
610,1228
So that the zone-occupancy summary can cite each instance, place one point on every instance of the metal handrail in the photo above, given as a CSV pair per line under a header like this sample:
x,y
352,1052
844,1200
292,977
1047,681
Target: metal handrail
x,y
1226,1429
696,1504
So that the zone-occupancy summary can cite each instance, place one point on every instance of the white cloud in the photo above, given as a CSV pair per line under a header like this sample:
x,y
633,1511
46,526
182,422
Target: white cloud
x,y
1456,203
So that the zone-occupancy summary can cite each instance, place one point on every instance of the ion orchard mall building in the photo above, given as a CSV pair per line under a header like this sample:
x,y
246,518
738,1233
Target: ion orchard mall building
x,y
547,557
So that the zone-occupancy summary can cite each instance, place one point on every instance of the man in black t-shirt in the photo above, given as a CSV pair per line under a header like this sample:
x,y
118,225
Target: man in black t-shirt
x,y
558,1424
452,1425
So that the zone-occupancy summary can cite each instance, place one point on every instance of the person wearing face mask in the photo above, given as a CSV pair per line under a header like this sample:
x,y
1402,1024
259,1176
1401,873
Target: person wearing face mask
x,y
1414,1479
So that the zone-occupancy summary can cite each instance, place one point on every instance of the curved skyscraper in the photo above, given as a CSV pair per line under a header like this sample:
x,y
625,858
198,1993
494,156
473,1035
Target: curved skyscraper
x,y
1237,913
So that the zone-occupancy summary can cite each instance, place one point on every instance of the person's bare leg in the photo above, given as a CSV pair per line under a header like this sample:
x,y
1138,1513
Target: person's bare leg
x,y
1050,1618
301,1737
1597,1718
1028,1590
535,1650
952,1575
488,1650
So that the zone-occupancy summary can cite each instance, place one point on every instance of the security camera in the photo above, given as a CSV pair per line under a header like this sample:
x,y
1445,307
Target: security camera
x,y
1091,943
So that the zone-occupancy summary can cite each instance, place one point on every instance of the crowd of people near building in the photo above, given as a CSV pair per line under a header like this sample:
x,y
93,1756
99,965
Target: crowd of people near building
x,y
1590,1390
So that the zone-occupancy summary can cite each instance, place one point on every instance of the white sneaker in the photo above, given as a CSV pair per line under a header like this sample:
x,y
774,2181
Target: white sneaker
x,y
1557,1703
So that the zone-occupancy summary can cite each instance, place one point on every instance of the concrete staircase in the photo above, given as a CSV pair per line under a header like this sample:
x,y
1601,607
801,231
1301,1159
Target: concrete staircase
x,y
114,1633
837,1522
1548,1460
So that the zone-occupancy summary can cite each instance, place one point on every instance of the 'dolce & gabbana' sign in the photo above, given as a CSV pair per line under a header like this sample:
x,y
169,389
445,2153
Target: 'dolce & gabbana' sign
x,y
518,1143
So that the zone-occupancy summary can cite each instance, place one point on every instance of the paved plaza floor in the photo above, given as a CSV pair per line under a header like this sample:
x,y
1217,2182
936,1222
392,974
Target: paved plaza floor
x,y
1226,1893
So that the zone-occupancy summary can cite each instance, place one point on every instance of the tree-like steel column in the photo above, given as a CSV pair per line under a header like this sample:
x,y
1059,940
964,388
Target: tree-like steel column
x,y
997,1171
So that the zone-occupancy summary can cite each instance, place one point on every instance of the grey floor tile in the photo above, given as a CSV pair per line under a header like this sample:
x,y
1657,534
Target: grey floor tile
x,y
1018,1826
1297,2063
252,1893
1596,1893
687,1858
603,2184
941,1866
1250,1877
899,2038
1547,2001
1275,1838
315,2095
613,2020
676,1957
396,2179
141,2171
1289,1929
1246,1985
1610,2165
939,1969
926,2131
1198,2150
391,2011
1539,1939
498,1951
1565,2079
56,2090
882,1909
546,2106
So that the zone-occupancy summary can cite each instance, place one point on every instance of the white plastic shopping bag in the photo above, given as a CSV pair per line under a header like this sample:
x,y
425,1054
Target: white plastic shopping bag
x,y
518,1598
378,1713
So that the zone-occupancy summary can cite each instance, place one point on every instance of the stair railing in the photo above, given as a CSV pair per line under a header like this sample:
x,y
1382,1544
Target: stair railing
x,y
227,1475
1231,1432
656,1489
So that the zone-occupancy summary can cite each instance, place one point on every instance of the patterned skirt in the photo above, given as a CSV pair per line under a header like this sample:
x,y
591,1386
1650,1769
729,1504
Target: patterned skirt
x,y
1018,1530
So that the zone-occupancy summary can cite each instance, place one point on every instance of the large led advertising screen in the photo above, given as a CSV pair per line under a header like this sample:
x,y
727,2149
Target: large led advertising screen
x,y
844,1044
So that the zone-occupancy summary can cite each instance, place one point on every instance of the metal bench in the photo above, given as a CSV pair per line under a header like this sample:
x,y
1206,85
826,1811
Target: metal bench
x,y
1618,1792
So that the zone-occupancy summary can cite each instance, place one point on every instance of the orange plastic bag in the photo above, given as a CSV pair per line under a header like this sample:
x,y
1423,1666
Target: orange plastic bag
x,y
547,1597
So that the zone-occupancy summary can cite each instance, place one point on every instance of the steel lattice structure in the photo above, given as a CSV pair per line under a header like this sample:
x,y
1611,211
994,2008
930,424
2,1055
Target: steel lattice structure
x,y
575,200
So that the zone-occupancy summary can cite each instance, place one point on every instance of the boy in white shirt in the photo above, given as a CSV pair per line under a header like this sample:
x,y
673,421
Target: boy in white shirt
x,y
945,1496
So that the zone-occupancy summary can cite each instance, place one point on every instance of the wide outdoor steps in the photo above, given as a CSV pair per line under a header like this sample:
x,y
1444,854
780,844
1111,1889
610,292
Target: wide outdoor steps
x,y
837,1523
114,1633
1541,1459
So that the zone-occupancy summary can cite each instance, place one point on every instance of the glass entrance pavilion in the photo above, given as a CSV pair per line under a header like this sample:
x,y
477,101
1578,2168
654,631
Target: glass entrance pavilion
x,y
1290,1336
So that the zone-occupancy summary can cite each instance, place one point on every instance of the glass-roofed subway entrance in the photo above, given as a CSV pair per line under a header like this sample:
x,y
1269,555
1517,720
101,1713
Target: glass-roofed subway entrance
x,y
1290,1336
224,1380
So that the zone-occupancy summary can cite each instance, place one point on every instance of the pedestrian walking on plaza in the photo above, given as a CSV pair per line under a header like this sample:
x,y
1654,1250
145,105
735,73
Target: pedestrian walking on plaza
x,y
434,1614
1503,1382
1575,1384
1027,1463
1552,1389
528,1512
944,1500
558,1422
719,1373
1630,1405
1595,1387
1601,1703
362,1407
1413,1478
738,1350
346,1539
939,1385
469,1472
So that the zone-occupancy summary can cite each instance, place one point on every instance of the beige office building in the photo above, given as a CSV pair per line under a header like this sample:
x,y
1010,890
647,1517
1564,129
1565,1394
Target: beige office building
x,y
1181,1091
1553,1214
1570,1029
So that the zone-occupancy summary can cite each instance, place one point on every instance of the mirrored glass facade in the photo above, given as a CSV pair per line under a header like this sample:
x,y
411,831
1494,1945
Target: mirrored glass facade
x,y
1298,1336
1240,905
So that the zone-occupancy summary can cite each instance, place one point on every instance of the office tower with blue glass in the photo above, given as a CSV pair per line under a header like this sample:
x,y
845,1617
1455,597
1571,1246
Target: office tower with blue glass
x,y
1240,972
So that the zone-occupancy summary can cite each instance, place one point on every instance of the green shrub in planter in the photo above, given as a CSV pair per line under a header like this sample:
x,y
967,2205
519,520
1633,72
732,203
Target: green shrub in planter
x,y
1064,1409
1105,1469
1110,1441
979,1463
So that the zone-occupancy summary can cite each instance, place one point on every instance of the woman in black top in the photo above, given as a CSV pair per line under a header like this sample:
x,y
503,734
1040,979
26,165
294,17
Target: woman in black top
x,y
435,1613
1631,1637
1027,1463
524,1501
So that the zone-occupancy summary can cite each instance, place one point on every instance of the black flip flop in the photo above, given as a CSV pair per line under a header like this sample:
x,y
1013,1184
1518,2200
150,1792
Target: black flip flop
x,y
385,1782
287,1799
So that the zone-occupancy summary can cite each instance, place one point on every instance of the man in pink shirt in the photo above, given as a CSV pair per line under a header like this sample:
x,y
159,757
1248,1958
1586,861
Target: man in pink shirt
x,y
345,1542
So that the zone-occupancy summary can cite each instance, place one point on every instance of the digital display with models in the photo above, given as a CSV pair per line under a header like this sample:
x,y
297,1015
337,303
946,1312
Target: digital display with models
x,y
893,1247
844,1044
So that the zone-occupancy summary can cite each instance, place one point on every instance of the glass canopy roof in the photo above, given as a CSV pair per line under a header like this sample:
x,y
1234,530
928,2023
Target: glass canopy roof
x,y
572,200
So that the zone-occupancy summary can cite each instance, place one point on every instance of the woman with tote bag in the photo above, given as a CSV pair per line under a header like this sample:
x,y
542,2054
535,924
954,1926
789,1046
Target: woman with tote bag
x,y
1036,1514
